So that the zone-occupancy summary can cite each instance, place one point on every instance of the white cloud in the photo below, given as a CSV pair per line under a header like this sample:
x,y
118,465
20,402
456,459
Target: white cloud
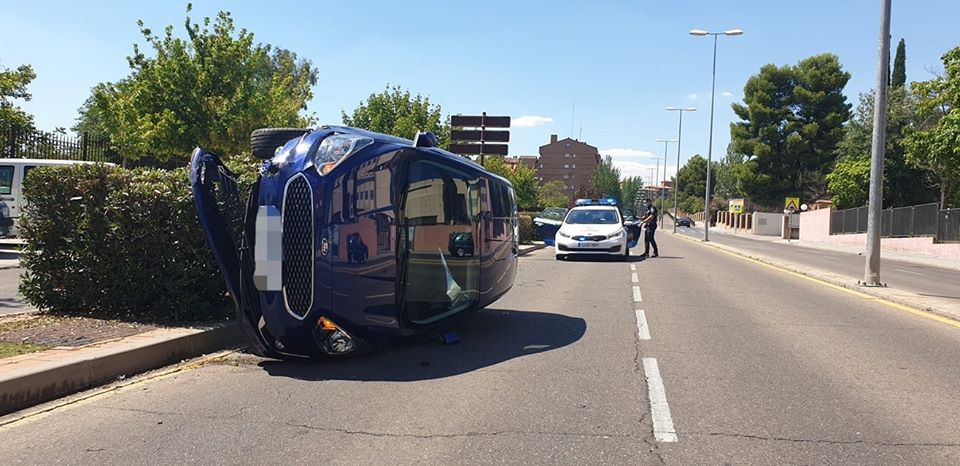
x,y
644,170
727,94
692,96
620,152
529,121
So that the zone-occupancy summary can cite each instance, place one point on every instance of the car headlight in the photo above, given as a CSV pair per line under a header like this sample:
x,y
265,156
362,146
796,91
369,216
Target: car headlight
x,y
563,234
616,235
335,148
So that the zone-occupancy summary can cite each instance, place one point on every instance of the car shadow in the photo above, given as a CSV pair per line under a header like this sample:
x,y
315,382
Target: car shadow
x,y
487,338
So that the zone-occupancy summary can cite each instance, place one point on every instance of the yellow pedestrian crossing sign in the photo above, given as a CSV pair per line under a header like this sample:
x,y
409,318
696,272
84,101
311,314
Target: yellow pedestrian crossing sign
x,y
736,206
792,204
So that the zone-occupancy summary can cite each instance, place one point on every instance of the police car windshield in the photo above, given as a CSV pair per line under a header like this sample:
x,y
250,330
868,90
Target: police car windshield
x,y
592,217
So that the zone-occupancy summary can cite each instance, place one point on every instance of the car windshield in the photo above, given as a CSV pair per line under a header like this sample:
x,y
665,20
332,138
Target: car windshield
x,y
553,213
592,217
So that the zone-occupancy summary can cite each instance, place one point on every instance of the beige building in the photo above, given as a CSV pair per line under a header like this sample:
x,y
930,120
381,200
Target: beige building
x,y
569,161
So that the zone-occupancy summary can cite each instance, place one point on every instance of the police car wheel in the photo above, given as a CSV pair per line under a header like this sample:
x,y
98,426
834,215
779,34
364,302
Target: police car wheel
x,y
560,257
265,141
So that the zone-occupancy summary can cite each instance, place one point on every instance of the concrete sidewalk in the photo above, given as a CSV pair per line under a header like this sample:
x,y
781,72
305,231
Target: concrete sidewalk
x,y
34,378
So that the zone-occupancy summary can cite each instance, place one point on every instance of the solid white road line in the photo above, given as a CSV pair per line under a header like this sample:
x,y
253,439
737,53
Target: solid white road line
x,y
643,332
663,429
634,278
636,294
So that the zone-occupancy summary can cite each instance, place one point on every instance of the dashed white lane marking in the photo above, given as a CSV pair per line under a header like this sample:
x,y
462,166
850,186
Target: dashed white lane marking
x,y
634,278
663,429
633,266
636,294
643,332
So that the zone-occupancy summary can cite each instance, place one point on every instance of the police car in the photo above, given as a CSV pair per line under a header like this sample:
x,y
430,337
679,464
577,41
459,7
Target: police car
x,y
596,226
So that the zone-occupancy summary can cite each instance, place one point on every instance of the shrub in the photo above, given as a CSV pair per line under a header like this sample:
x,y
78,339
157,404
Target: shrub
x,y
113,242
527,232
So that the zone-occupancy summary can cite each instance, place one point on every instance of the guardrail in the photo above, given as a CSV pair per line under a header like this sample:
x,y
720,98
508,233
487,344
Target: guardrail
x,y
902,222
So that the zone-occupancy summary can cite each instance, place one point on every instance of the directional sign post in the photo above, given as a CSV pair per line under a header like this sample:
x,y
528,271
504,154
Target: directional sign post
x,y
475,141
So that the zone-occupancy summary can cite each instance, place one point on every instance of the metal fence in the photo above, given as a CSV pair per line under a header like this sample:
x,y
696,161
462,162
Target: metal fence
x,y
901,222
948,226
30,144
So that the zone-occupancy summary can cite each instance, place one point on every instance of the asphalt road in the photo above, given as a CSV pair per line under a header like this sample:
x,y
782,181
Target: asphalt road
x,y
10,302
924,280
729,362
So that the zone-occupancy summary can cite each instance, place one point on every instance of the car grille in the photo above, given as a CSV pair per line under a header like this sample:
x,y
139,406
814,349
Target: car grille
x,y
297,264
590,238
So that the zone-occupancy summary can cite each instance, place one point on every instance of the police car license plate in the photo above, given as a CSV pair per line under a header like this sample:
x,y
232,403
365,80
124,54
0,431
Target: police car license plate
x,y
588,245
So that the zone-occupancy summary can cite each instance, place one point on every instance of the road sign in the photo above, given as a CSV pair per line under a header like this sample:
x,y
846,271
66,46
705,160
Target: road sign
x,y
476,121
474,149
792,204
736,206
478,135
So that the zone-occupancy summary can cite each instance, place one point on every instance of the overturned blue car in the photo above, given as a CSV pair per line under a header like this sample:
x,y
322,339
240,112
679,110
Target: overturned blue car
x,y
353,240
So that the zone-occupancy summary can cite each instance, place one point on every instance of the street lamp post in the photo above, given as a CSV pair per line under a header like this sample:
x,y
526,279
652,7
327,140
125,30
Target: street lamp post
x,y
871,274
663,197
676,181
713,91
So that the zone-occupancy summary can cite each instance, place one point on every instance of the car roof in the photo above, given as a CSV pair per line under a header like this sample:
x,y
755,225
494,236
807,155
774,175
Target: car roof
x,y
596,207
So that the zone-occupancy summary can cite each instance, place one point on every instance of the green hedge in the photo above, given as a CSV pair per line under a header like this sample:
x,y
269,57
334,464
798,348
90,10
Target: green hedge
x,y
527,232
113,242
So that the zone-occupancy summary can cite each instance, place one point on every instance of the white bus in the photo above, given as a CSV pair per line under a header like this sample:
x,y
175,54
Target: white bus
x,y
12,174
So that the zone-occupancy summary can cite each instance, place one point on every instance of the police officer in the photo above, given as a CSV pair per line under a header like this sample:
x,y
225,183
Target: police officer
x,y
650,220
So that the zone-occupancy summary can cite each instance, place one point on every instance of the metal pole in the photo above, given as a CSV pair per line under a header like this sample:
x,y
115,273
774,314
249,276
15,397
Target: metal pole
x,y
654,181
871,275
706,194
676,179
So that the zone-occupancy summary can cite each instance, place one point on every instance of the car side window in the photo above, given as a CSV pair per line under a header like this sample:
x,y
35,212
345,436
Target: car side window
x,y
6,179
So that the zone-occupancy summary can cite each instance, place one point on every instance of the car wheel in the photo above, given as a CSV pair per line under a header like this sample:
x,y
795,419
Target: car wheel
x,y
265,141
560,257
626,252
461,252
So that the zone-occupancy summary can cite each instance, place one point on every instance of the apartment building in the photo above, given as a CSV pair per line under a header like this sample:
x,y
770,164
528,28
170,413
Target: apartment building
x,y
569,161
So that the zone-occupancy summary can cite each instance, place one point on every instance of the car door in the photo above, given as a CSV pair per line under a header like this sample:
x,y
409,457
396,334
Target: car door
x,y
210,179
8,197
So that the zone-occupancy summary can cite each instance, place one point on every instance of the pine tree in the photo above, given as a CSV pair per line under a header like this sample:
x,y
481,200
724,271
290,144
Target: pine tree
x,y
900,66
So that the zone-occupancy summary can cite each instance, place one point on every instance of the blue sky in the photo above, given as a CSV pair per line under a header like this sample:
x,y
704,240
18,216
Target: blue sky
x,y
622,62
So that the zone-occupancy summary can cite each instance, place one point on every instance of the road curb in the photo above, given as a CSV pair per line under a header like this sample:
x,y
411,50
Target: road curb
x,y
524,250
882,293
50,375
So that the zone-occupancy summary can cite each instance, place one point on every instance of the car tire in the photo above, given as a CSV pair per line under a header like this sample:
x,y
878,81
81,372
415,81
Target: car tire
x,y
626,252
461,252
560,257
265,141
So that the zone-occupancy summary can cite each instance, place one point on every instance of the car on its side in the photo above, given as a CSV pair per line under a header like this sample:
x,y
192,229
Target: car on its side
x,y
548,222
352,240
596,227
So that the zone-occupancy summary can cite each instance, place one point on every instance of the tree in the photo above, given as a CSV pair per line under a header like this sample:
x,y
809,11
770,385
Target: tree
x,y
211,89
395,111
933,144
850,182
631,187
728,176
691,182
553,194
792,122
904,184
13,85
606,179
899,78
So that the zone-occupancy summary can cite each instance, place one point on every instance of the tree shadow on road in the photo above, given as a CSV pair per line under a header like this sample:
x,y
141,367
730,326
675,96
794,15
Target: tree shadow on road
x,y
487,338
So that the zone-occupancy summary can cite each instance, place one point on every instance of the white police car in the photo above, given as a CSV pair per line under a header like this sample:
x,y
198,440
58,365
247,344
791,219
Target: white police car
x,y
596,227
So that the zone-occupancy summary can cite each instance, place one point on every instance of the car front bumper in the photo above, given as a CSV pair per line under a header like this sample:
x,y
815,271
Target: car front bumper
x,y
566,246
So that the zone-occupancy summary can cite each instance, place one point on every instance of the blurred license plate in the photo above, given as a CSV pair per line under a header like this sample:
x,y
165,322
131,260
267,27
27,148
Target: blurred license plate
x,y
588,245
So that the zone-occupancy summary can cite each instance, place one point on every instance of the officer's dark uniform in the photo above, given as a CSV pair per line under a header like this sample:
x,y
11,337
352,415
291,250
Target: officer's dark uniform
x,y
648,239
